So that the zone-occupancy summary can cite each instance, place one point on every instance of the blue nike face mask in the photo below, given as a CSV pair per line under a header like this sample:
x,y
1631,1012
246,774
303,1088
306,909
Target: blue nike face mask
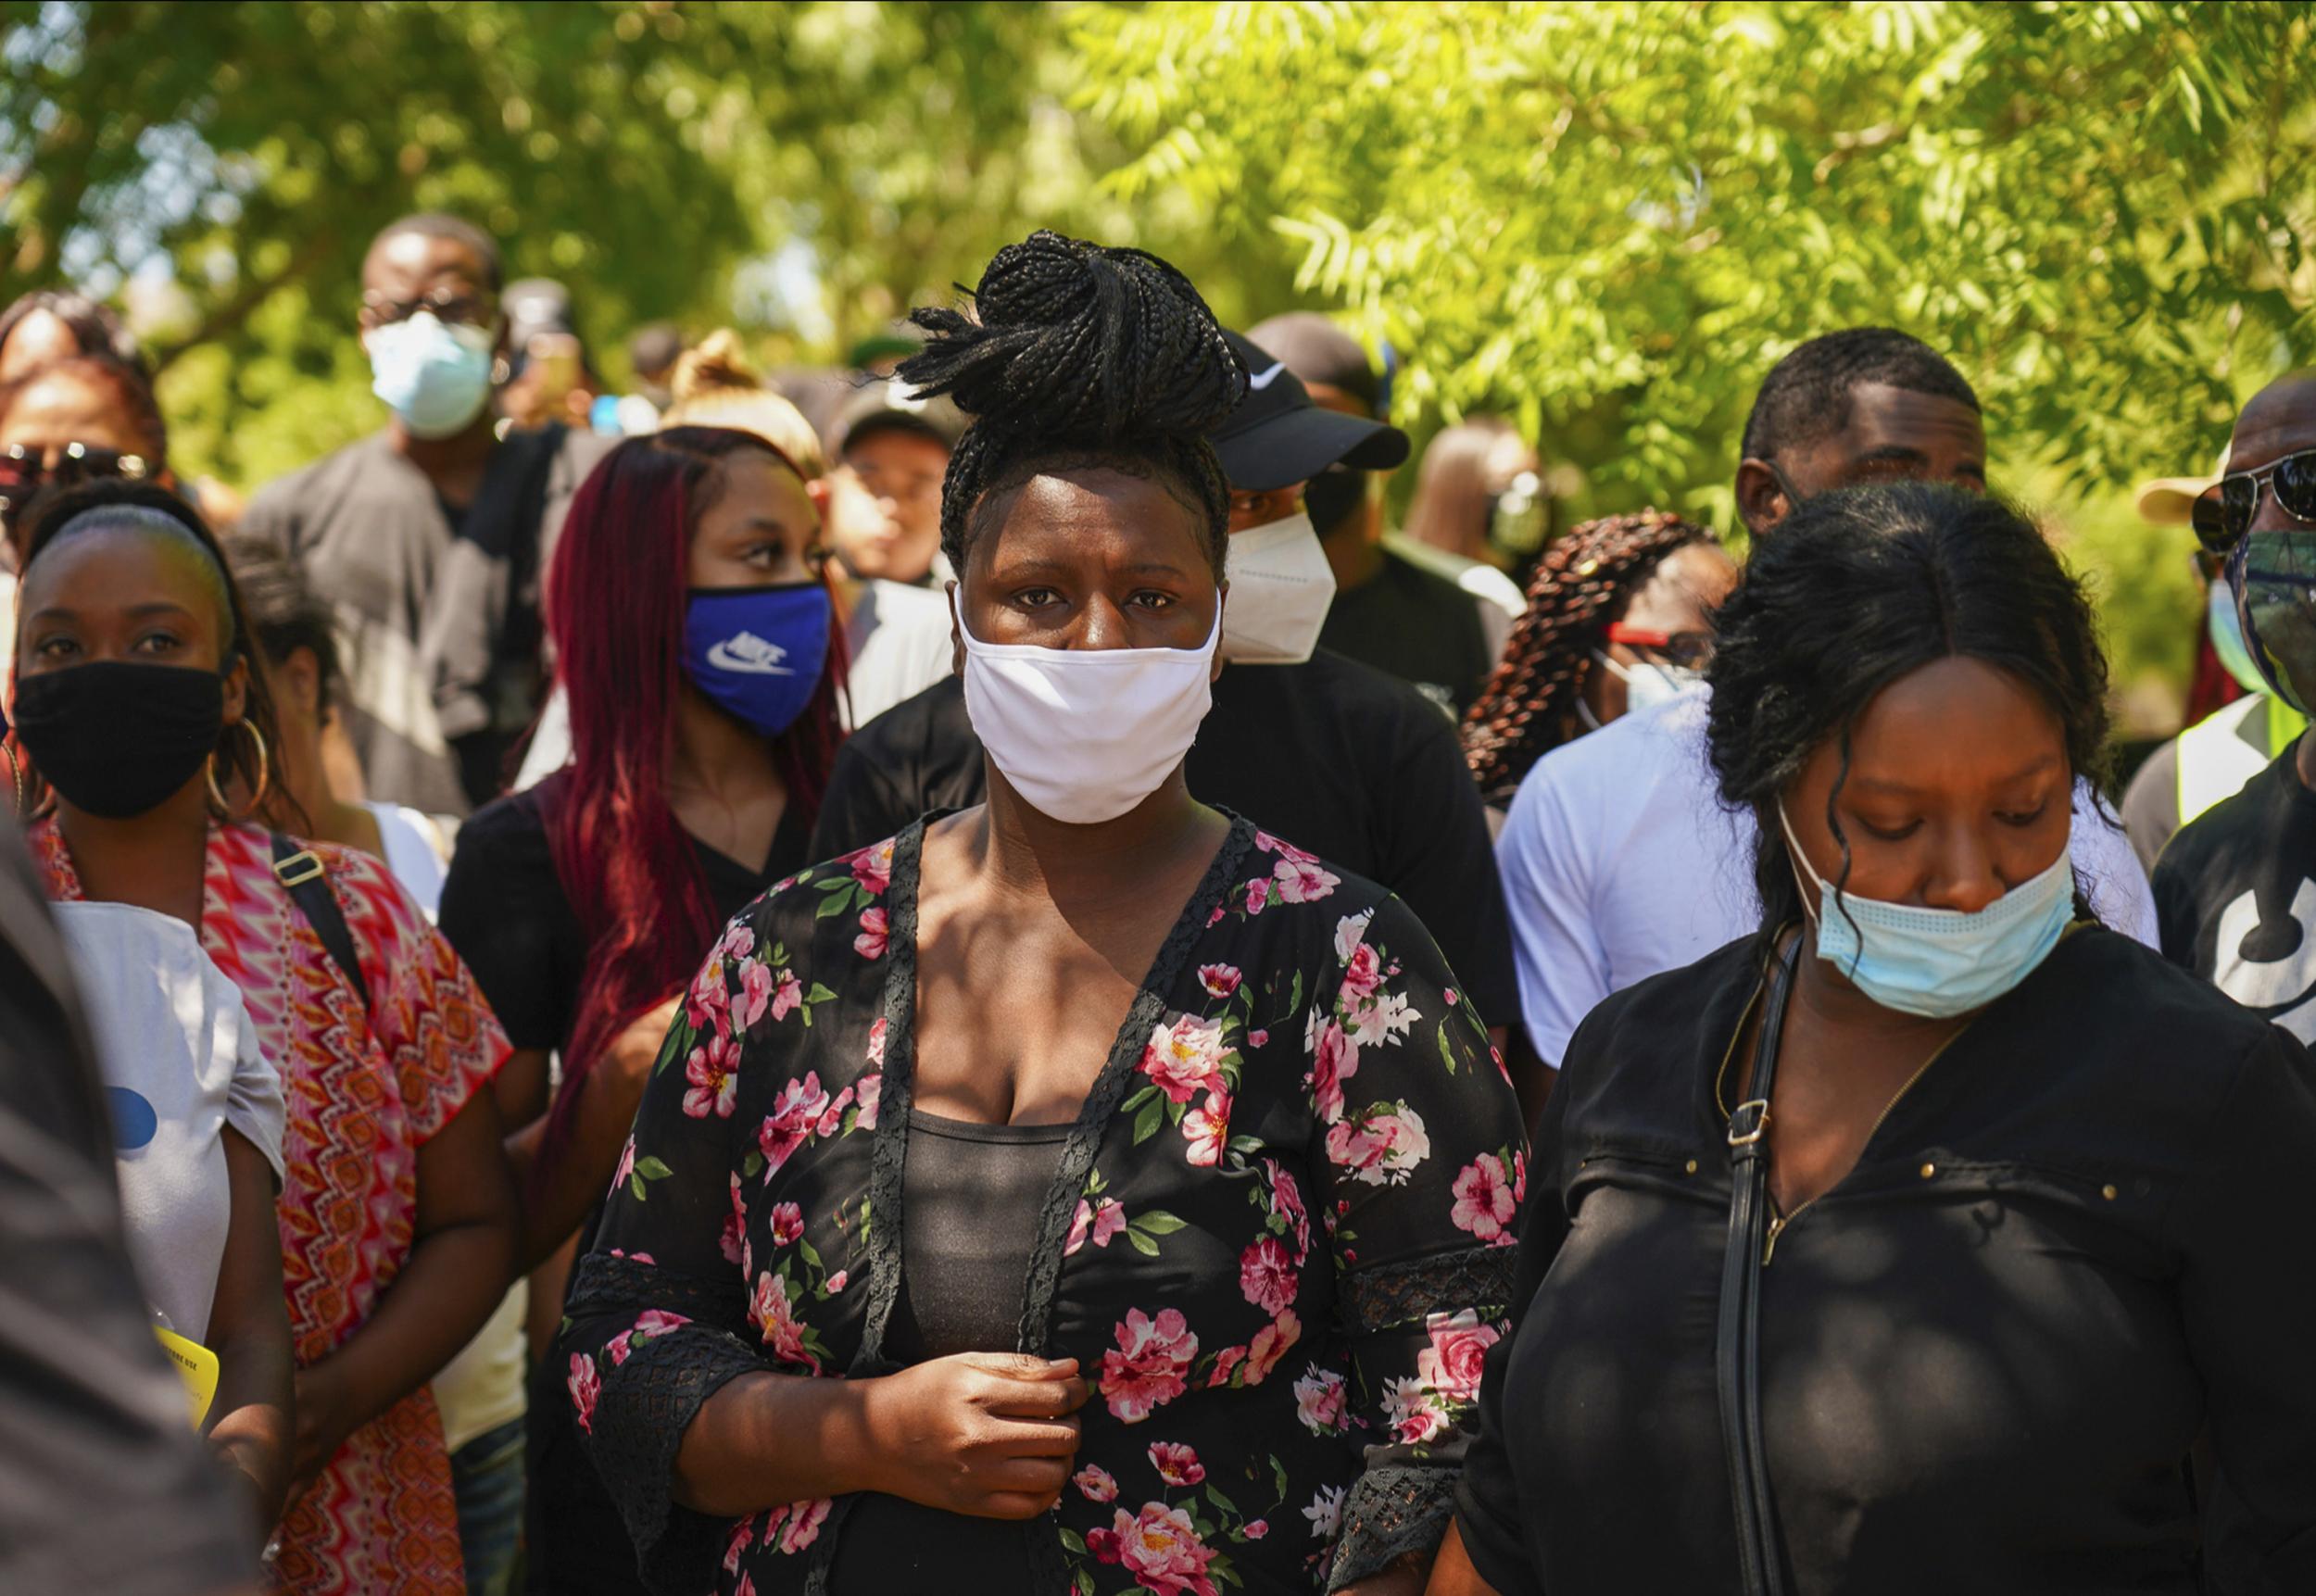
x,y
1937,962
759,652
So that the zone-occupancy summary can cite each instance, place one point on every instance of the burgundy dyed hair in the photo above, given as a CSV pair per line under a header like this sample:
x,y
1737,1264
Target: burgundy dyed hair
x,y
615,603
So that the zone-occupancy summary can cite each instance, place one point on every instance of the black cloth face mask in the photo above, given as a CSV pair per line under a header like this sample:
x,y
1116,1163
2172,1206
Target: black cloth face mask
x,y
117,737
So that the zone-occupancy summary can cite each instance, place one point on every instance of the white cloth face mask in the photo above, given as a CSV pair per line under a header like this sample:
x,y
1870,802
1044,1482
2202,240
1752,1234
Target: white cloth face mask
x,y
1648,685
1280,589
1084,734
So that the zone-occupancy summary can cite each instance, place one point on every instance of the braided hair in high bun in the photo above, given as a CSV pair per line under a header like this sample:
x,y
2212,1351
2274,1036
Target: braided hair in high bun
x,y
1079,357
1583,583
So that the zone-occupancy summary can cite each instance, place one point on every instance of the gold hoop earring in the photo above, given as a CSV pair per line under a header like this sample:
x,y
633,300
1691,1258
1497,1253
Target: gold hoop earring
x,y
265,780
265,768
35,799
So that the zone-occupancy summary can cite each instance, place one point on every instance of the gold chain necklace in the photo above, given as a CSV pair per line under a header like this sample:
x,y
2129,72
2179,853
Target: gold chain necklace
x,y
1778,1221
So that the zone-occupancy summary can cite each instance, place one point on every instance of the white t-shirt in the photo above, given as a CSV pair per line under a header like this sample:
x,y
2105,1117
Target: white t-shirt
x,y
180,1061
409,836
899,644
1619,864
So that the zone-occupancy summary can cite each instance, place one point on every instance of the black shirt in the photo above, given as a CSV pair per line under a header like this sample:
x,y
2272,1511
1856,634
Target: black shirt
x,y
103,1485
504,908
1415,624
2080,1238
2235,902
1335,758
974,1193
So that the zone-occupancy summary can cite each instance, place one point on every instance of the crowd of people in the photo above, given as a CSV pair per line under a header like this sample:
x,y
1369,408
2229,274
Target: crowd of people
x,y
966,974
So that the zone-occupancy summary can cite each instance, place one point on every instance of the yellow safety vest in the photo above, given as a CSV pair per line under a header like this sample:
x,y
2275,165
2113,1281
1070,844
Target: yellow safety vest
x,y
2227,747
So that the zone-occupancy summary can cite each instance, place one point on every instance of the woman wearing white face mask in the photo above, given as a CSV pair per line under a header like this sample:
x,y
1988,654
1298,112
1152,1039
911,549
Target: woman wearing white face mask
x,y
1908,1245
1357,766
1616,622
1131,1189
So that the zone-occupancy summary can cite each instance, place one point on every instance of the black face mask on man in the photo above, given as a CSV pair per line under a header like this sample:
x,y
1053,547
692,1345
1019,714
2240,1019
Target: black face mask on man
x,y
117,737
1333,497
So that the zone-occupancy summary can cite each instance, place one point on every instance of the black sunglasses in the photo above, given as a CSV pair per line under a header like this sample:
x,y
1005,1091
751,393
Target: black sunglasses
x,y
24,470
2291,479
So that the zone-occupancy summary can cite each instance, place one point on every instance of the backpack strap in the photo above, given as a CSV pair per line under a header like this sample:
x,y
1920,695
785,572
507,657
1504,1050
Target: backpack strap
x,y
300,871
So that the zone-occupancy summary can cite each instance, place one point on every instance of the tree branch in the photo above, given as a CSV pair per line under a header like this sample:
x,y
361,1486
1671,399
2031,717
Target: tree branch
x,y
227,315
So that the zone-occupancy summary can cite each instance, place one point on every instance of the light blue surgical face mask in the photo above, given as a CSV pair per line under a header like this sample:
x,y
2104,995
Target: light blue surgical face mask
x,y
436,375
1938,963
1647,683
2227,638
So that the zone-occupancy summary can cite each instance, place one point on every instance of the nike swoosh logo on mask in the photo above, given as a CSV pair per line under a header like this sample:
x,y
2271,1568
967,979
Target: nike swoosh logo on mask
x,y
749,656
1261,379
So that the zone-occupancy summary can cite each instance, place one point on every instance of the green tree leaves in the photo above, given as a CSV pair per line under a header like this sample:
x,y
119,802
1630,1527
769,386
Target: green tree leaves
x,y
230,162
1604,219
1624,212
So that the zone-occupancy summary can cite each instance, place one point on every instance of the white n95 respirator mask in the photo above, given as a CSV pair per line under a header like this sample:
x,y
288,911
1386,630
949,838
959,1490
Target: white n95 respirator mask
x,y
1280,588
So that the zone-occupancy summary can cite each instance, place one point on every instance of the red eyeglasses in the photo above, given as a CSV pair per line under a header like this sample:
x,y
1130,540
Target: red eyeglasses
x,y
1694,649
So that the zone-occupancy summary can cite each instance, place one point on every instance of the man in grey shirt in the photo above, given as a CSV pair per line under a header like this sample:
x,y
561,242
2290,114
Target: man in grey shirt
x,y
431,537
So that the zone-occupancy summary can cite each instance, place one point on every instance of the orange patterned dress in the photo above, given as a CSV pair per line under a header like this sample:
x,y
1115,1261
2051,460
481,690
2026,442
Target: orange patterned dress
x,y
364,1093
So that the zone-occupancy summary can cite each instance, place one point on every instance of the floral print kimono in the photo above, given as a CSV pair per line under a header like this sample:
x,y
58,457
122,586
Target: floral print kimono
x,y
1278,1242
365,1091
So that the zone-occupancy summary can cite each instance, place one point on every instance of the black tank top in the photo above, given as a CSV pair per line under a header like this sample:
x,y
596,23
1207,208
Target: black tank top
x,y
971,1196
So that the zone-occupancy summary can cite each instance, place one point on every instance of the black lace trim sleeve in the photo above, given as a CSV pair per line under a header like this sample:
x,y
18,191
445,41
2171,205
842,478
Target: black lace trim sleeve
x,y
603,1284
1390,1512
649,1400
1371,1301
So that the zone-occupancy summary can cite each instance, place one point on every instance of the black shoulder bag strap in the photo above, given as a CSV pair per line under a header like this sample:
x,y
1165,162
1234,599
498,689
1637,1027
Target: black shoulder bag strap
x,y
1737,1352
299,870
483,610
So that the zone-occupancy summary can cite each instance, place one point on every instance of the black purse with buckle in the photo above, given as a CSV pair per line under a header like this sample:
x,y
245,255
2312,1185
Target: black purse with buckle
x,y
300,871
1737,1340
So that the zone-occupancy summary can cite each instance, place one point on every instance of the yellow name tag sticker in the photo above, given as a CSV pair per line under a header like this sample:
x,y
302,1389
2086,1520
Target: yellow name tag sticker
x,y
196,1365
